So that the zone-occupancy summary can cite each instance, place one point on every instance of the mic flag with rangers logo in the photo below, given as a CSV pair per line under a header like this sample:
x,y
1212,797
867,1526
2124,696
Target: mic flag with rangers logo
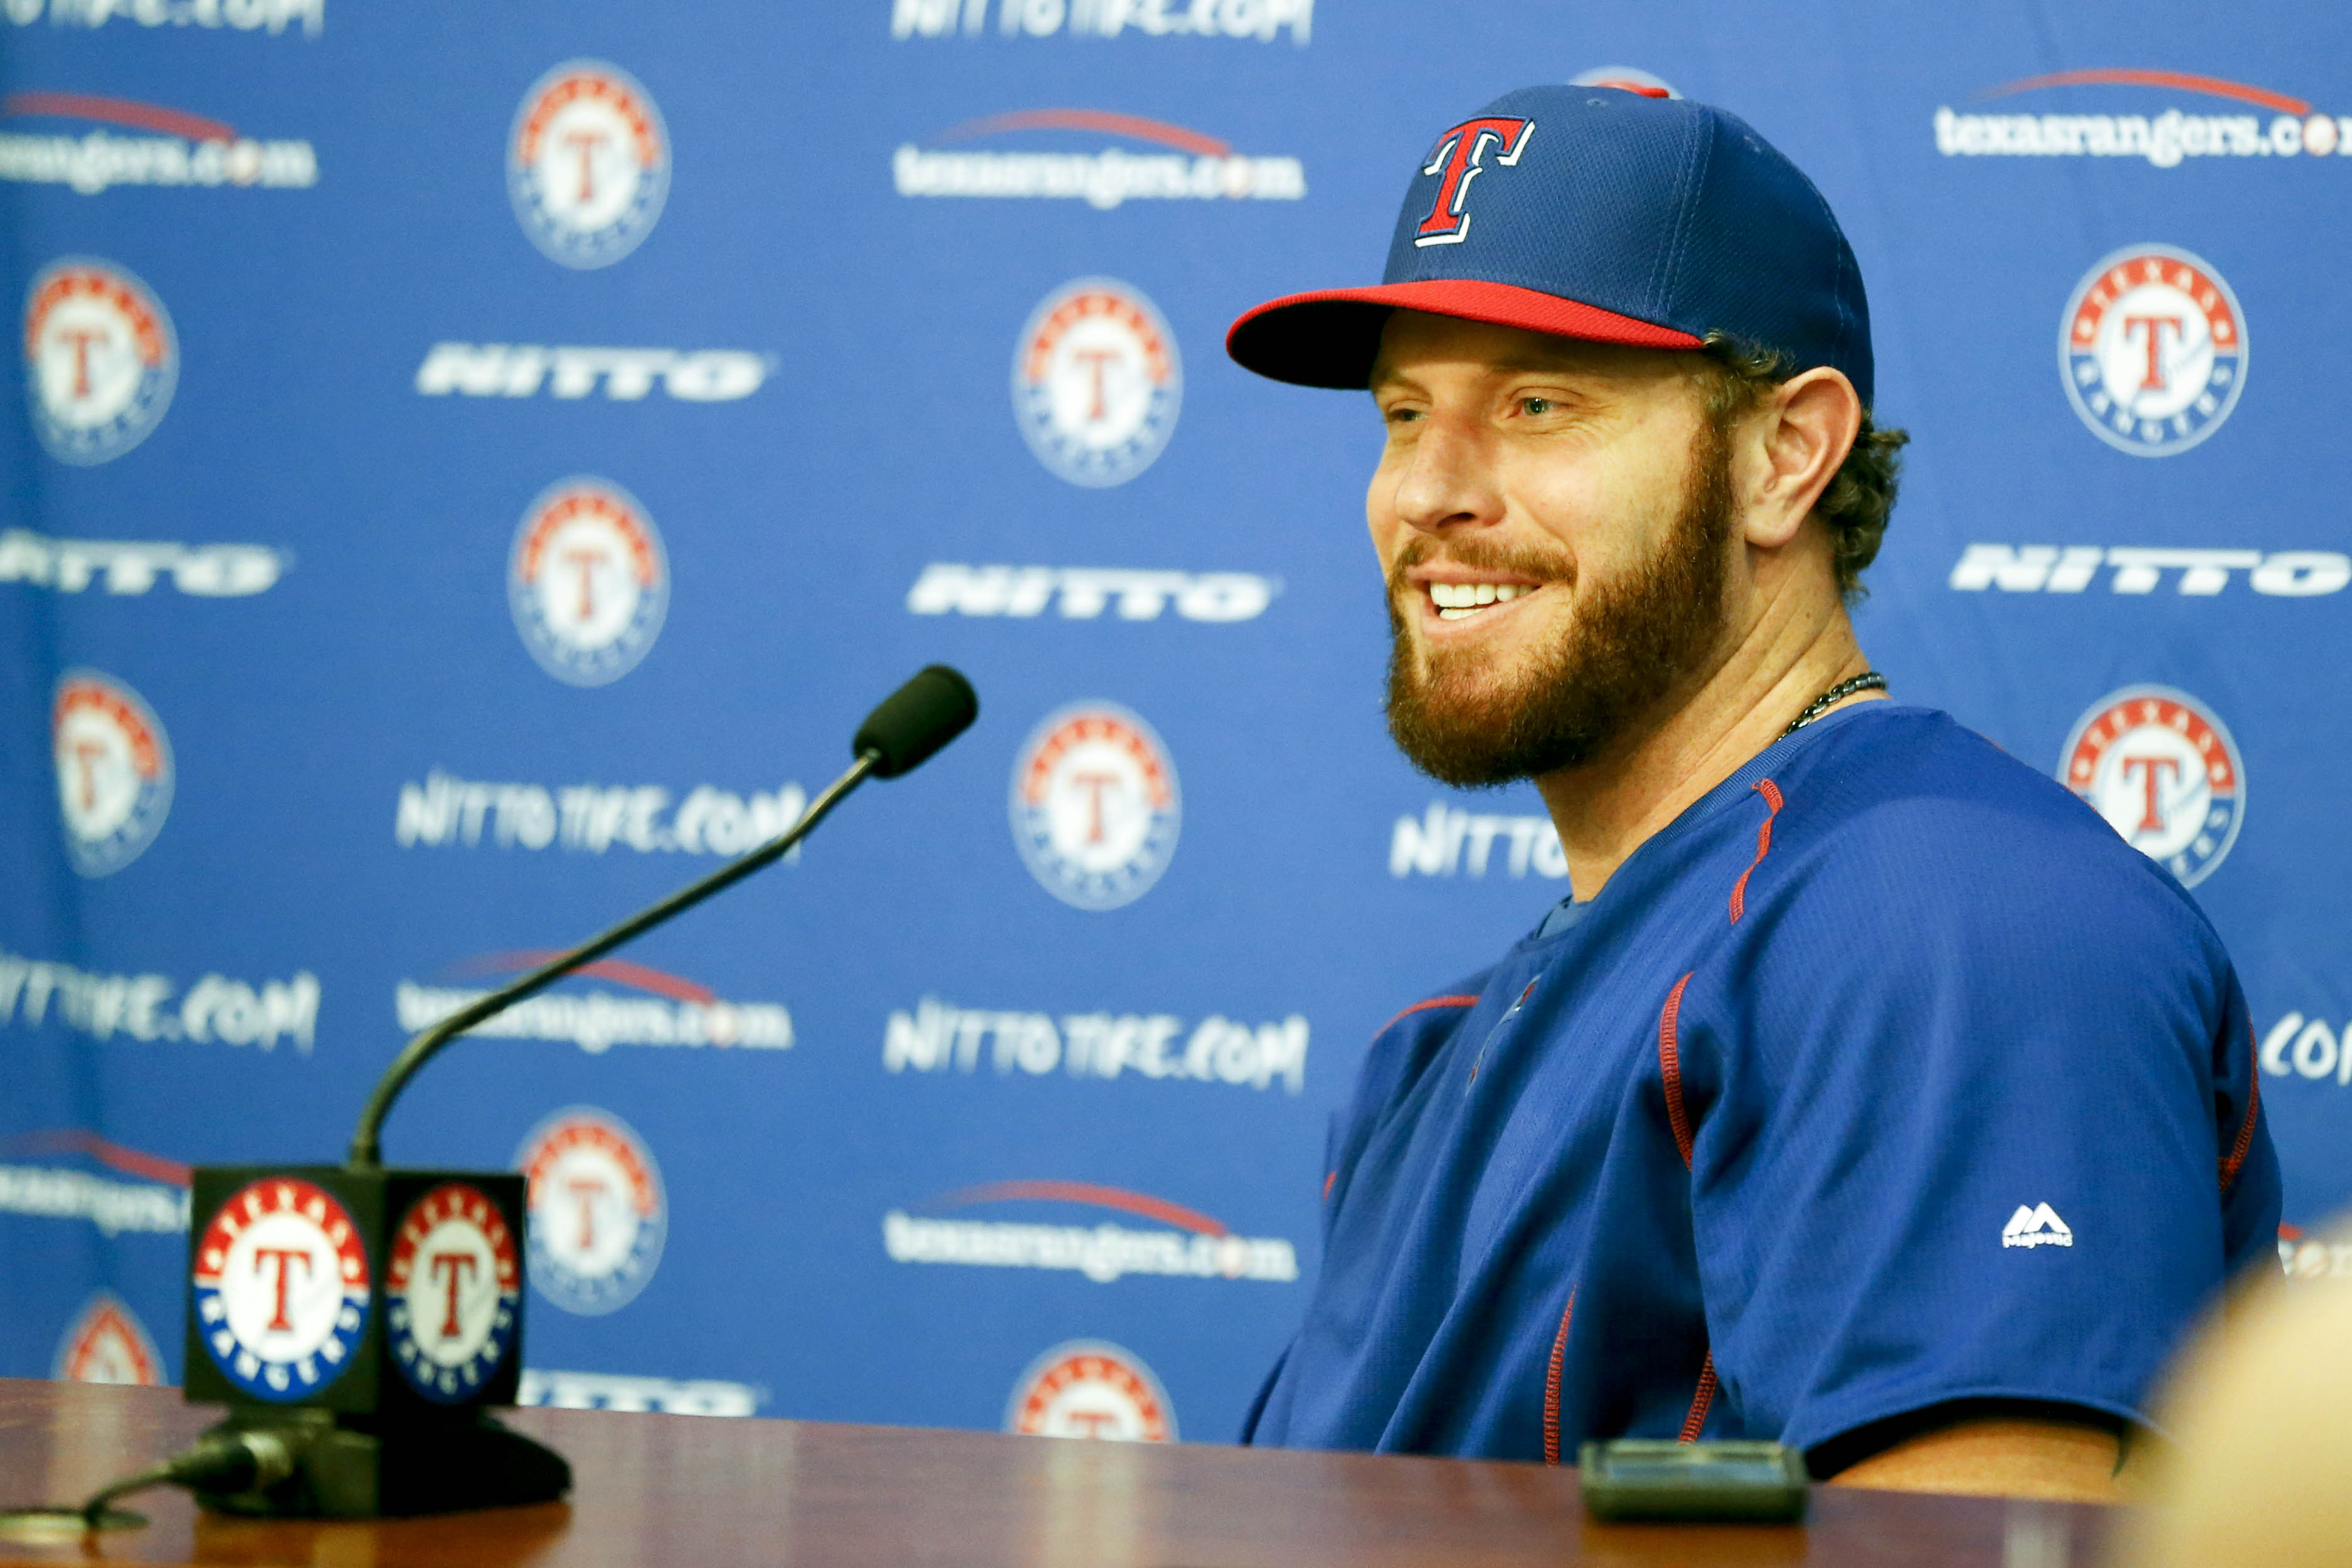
x,y
311,1284
456,1284
282,1288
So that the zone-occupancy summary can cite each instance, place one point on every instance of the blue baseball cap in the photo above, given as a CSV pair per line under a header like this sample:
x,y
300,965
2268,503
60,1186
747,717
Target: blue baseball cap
x,y
1599,213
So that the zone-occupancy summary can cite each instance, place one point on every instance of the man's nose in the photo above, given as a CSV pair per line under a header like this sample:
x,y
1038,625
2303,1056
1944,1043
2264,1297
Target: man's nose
x,y
1448,481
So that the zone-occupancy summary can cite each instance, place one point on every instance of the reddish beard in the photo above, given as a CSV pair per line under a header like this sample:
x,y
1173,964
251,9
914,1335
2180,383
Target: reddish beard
x,y
1629,640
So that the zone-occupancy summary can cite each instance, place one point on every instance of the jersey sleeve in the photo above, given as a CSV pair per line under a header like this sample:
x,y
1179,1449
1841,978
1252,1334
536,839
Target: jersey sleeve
x,y
1400,1052
1964,1132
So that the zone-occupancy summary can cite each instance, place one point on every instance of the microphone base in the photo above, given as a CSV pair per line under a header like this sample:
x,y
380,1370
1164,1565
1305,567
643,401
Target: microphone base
x,y
357,1467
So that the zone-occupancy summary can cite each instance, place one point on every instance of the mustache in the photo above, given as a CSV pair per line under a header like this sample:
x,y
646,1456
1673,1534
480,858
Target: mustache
x,y
1482,555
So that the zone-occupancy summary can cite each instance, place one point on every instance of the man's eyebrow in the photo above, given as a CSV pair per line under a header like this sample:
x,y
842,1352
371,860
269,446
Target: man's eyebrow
x,y
1517,365
1543,364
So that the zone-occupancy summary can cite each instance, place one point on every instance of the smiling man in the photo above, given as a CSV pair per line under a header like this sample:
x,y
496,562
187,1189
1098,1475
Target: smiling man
x,y
1869,1093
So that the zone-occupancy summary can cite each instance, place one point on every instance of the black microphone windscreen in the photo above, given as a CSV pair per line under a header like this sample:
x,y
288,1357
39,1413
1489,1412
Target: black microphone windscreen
x,y
916,719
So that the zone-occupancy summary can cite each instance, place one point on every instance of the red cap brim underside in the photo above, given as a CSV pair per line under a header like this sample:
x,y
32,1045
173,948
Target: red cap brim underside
x,y
1331,337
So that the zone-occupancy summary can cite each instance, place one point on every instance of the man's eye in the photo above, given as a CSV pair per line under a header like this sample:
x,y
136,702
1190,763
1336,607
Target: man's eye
x,y
1537,406
1403,415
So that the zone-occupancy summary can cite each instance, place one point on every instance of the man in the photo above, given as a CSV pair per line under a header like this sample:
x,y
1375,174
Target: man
x,y
1869,1093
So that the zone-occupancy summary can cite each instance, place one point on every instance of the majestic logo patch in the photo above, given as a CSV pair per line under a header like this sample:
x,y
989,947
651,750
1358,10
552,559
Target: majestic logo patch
x,y
598,1216
1096,382
454,1289
1627,79
2160,768
281,1288
100,360
1090,1388
2153,351
2037,1227
107,1343
588,581
1095,806
114,770
1460,158
587,163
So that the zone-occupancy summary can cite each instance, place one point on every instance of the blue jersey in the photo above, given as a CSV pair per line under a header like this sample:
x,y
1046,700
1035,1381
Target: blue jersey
x,y
1886,1075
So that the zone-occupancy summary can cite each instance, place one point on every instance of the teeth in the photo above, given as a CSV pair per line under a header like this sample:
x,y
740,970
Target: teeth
x,y
1457,601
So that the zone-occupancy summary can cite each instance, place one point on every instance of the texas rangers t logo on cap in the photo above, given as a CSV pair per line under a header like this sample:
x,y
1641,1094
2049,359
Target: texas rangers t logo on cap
x,y
1606,232
1460,159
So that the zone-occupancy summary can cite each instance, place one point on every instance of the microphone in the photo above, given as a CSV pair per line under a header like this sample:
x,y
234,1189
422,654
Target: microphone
x,y
358,1376
916,721
902,733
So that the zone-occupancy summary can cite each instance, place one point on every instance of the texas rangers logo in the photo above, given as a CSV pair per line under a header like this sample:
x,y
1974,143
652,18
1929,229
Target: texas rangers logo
x,y
2160,768
107,1343
2153,350
588,581
454,1292
1095,806
1088,1388
114,770
1096,382
587,163
1460,158
100,360
597,1212
281,1288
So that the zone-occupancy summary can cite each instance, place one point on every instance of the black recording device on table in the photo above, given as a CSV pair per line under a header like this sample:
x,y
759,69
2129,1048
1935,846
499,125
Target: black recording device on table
x,y
361,1321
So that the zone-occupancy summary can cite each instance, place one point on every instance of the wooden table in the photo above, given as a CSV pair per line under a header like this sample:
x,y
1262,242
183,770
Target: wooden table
x,y
704,1492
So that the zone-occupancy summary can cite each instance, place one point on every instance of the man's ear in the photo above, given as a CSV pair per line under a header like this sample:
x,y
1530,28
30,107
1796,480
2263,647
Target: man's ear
x,y
1796,437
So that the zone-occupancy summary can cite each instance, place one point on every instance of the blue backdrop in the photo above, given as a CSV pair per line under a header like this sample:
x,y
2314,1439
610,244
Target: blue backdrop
x,y
474,467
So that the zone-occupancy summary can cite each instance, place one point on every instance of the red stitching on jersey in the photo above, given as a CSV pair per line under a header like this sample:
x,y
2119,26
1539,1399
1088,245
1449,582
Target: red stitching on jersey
x,y
1701,1402
1670,1064
1551,1385
1327,1183
1424,1006
2237,1156
1772,794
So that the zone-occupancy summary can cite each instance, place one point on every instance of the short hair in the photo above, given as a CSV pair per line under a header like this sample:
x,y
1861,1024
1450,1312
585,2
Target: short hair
x,y
1860,495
